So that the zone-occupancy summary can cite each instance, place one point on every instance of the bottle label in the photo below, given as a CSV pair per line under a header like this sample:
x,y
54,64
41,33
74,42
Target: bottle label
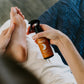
x,y
45,47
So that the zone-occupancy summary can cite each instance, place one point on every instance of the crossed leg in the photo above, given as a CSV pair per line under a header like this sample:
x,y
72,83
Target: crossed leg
x,y
17,46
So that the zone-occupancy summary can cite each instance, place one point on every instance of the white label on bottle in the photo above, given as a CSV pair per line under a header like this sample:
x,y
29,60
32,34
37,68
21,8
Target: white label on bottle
x,y
44,47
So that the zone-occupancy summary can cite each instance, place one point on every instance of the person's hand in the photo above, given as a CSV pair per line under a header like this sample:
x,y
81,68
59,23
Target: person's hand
x,y
5,38
54,35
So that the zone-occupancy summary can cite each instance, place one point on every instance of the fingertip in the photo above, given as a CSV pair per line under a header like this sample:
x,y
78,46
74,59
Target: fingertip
x,y
33,38
41,25
44,27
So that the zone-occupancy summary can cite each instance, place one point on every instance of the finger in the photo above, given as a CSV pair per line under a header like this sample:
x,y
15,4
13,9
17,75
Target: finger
x,y
4,32
19,12
44,27
11,29
52,42
13,12
39,35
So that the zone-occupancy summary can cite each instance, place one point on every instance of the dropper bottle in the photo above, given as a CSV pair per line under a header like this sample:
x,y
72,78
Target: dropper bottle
x,y
42,42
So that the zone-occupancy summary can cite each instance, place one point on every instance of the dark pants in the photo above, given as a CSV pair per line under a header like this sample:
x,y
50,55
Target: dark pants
x,y
68,17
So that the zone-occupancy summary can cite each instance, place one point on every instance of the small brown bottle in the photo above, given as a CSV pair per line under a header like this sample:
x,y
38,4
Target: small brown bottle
x,y
42,42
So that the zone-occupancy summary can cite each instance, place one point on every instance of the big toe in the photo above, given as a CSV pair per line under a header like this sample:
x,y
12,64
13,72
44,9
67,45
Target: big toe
x,y
13,12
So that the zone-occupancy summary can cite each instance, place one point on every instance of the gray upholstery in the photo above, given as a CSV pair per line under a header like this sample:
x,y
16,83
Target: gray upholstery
x,y
31,8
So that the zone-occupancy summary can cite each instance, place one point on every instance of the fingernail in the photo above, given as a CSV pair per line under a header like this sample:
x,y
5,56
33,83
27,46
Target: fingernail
x,y
33,38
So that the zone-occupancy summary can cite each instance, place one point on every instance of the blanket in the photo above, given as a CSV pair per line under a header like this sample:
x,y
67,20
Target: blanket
x,y
50,71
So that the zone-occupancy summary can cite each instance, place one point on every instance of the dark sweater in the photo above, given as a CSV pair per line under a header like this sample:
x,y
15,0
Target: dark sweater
x,y
68,17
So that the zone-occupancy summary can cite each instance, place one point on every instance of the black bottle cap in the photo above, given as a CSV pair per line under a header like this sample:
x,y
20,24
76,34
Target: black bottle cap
x,y
36,24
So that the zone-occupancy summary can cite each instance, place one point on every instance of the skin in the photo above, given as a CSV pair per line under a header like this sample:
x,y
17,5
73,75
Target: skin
x,y
18,43
5,38
17,46
67,49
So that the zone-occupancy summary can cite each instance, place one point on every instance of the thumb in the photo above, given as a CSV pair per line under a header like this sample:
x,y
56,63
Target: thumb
x,y
11,29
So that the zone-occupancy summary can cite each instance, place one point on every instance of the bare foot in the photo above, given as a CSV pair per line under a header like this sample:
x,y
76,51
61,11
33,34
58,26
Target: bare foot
x,y
17,46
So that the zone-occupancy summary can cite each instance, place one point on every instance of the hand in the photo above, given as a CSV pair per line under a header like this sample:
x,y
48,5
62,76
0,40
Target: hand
x,y
5,38
54,35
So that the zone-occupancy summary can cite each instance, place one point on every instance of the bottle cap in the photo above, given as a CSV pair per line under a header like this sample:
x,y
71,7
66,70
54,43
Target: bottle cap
x,y
36,24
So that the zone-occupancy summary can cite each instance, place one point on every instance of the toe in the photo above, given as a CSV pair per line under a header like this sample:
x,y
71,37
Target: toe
x,y
19,12
13,12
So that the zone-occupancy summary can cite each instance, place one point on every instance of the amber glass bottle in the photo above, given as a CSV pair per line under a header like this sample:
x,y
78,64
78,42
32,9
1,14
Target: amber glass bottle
x,y
43,43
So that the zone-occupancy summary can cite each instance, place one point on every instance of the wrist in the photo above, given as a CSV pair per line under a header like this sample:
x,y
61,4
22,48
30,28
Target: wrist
x,y
63,40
